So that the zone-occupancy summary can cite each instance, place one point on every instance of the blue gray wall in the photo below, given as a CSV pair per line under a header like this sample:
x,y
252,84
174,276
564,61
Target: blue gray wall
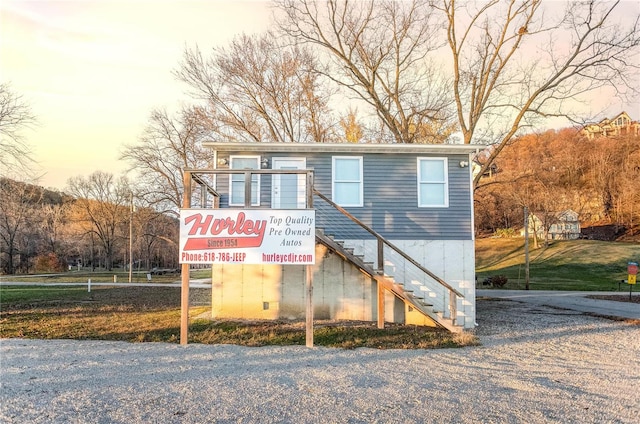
x,y
390,197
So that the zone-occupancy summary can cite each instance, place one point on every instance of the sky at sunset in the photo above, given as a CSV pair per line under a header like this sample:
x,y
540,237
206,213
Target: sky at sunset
x,y
92,70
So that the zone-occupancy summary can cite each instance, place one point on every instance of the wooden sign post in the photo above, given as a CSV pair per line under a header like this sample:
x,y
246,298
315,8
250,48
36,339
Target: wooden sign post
x,y
247,236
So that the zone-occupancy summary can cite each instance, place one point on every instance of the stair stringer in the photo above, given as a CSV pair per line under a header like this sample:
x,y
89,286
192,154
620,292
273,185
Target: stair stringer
x,y
388,283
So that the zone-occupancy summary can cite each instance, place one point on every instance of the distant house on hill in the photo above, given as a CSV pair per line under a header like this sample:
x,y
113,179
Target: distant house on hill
x,y
563,225
621,125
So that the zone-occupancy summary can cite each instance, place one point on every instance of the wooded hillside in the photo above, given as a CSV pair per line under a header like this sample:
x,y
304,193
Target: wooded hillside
x,y
43,231
558,170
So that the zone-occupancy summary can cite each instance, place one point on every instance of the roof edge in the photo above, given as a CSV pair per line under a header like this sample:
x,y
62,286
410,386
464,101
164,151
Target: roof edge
x,y
344,147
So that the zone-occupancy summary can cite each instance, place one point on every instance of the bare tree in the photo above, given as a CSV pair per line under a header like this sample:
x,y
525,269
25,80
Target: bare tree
x,y
18,205
102,204
515,61
379,52
258,89
613,171
15,116
157,234
629,195
52,219
167,146
539,171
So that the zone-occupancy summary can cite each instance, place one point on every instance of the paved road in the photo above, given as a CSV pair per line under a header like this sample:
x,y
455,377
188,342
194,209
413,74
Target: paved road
x,y
577,301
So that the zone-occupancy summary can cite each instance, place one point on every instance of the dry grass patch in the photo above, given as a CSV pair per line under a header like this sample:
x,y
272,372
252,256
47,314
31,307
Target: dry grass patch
x,y
342,334
142,314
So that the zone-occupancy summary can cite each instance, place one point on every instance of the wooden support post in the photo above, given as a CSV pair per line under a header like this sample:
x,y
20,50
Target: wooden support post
x,y
380,304
309,189
184,293
453,307
203,196
309,305
309,271
247,189
184,306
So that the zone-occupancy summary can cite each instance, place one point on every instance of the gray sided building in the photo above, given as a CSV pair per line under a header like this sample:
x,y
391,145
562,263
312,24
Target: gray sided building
x,y
417,198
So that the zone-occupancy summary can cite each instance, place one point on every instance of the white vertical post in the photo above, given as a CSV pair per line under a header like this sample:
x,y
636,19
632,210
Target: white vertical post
x,y
89,286
131,237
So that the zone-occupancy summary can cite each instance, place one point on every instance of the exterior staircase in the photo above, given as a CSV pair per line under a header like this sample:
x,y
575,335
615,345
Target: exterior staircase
x,y
409,297
412,293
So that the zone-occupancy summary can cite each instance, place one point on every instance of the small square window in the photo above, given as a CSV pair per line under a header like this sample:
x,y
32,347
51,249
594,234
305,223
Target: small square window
x,y
433,184
347,184
237,180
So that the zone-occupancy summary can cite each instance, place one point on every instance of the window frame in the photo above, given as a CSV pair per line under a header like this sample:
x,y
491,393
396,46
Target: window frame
x,y
256,176
445,182
360,181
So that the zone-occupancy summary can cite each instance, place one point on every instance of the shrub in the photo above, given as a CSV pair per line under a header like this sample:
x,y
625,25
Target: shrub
x,y
48,263
499,280
505,233
495,281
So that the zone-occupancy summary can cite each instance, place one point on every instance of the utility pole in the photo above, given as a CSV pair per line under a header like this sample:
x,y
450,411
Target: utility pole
x,y
131,237
526,248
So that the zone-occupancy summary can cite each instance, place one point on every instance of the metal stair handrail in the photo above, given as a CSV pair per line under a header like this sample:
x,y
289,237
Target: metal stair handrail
x,y
382,241
386,282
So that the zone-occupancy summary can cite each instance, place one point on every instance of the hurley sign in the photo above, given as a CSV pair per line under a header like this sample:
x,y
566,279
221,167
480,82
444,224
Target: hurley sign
x,y
247,236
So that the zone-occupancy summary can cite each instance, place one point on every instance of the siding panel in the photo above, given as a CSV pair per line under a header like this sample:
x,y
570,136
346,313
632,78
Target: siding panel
x,y
390,197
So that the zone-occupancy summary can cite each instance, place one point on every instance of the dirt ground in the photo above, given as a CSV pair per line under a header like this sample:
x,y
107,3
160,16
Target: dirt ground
x,y
535,365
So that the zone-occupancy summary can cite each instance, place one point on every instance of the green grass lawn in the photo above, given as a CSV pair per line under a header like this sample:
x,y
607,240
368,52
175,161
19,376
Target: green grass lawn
x,y
563,265
104,277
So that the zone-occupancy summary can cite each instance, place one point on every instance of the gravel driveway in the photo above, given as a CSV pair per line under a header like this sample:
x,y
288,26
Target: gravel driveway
x,y
535,365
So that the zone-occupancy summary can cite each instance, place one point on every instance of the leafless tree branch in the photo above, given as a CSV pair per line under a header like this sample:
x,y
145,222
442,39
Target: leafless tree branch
x,y
378,52
15,116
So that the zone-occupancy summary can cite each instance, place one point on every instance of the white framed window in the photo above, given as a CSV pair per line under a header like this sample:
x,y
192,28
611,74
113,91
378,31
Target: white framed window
x,y
433,183
347,180
236,191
